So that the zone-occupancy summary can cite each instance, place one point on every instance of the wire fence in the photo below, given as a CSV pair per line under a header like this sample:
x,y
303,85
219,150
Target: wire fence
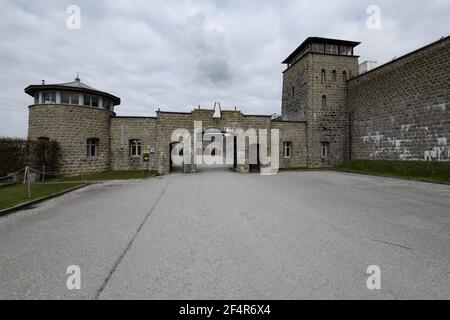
x,y
28,176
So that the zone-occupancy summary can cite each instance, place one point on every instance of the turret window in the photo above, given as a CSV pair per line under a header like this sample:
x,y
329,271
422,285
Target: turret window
x,y
324,101
65,97
49,97
344,75
74,98
323,75
91,147
333,75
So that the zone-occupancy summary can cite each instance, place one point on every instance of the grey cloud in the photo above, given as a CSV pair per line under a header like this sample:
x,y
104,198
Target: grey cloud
x,y
178,54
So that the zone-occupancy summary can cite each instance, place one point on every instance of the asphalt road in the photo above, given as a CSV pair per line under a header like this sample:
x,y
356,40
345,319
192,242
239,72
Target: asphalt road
x,y
221,235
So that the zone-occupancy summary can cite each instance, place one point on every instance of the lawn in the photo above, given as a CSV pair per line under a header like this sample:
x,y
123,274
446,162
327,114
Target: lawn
x,y
422,170
113,175
15,194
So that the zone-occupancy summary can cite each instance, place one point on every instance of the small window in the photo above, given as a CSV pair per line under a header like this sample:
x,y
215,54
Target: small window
x,y
91,147
94,101
324,101
135,148
87,100
333,75
65,97
331,49
345,50
293,91
344,75
74,98
49,97
317,47
323,75
325,147
43,139
287,149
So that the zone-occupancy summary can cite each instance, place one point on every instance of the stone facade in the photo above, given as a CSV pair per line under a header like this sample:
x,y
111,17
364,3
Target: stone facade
x,y
71,126
329,114
401,111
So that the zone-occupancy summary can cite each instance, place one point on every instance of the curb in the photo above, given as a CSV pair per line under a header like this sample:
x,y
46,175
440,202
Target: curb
x,y
393,177
30,203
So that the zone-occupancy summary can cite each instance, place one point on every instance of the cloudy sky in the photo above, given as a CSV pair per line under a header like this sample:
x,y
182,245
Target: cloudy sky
x,y
175,55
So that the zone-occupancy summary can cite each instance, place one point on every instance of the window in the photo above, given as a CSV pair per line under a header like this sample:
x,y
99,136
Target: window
x,y
344,75
87,100
65,97
331,49
49,97
293,91
345,50
43,139
135,148
36,98
287,149
74,98
106,104
325,147
324,101
91,147
317,47
94,101
323,76
333,75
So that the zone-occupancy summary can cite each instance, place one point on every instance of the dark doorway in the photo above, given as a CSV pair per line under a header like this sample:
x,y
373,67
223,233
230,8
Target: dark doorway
x,y
256,165
173,167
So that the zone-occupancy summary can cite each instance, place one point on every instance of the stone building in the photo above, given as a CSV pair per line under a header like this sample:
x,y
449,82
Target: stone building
x,y
330,114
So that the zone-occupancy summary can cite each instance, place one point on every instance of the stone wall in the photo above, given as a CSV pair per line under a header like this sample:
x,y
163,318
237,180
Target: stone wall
x,y
71,126
303,89
400,111
124,129
169,121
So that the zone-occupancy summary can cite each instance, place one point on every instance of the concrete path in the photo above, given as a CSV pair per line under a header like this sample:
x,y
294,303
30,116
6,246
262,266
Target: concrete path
x,y
221,235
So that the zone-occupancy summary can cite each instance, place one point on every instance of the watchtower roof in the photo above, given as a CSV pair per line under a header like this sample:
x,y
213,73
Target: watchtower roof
x,y
319,40
76,85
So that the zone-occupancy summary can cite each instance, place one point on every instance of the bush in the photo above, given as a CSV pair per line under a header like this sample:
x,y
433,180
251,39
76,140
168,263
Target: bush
x,y
17,153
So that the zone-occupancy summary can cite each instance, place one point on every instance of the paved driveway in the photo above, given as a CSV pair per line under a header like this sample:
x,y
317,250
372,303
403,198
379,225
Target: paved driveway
x,y
218,234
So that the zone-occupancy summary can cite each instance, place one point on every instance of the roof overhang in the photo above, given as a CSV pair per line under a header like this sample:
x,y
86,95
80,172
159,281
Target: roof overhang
x,y
32,89
320,40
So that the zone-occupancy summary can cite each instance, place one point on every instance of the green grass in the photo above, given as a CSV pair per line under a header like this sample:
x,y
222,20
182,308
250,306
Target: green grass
x,y
421,170
18,193
113,175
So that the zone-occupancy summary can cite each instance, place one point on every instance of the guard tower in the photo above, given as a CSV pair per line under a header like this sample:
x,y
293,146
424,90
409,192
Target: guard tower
x,y
315,90
76,116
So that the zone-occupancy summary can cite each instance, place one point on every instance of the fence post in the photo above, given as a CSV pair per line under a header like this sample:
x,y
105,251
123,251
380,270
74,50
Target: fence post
x,y
27,174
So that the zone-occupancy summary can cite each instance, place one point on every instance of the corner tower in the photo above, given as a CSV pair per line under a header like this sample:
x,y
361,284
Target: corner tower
x,y
76,116
315,90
